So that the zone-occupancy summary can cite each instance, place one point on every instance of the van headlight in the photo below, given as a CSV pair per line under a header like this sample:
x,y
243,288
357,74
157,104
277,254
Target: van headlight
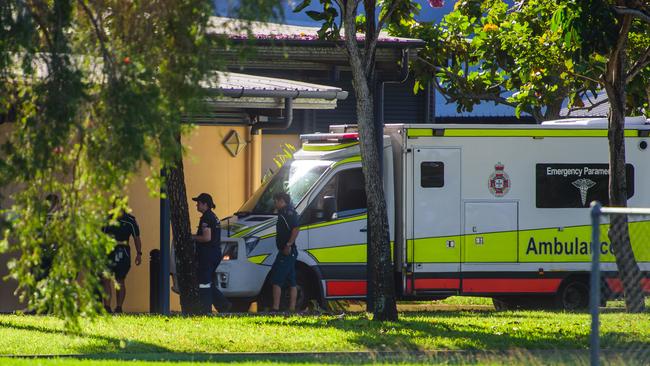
x,y
229,251
251,243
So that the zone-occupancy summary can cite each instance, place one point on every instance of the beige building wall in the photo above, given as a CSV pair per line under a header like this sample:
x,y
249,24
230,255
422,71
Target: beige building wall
x,y
209,168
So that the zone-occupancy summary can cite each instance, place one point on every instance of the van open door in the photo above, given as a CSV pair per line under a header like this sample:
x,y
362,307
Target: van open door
x,y
434,226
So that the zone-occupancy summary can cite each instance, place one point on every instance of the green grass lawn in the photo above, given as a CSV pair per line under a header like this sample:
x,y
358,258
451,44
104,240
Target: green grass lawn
x,y
448,330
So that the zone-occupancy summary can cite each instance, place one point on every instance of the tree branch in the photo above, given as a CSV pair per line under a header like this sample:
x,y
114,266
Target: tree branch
x,y
639,14
389,13
487,96
106,55
639,65
41,23
588,108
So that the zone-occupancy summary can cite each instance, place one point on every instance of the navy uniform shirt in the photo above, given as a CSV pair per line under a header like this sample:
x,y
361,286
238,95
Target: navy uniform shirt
x,y
126,226
287,221
210,220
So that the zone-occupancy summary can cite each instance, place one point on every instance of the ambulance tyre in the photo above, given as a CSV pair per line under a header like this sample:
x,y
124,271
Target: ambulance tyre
x,y
530,302
501,304
307,291
240,305
573,295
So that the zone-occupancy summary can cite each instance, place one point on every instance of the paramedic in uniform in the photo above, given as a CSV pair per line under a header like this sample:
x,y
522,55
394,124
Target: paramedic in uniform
x,y
208,247
119,260
284,267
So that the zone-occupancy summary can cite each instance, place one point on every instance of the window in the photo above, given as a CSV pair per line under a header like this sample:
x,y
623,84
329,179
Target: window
x,y
348,187
432,174
295,178
575,185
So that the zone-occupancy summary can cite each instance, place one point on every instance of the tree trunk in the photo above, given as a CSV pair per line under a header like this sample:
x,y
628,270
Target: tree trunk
x,y
619,235
380,268
553,110
186,268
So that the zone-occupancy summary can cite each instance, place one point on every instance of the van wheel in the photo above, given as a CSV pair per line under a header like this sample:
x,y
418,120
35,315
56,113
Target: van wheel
x,y
573,295
305,293
501,304
240,305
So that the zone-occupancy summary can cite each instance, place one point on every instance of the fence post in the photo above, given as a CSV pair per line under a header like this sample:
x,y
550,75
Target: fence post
x,y
594,293
154,281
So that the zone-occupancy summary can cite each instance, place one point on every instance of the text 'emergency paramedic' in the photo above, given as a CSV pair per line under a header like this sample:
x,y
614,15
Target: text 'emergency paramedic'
x,y
587,171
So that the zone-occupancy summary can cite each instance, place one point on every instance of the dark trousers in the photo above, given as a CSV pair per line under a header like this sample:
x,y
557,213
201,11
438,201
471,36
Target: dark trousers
x,y
209,258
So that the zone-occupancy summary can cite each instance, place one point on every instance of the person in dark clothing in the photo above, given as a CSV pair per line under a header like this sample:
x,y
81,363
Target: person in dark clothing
x,y
208,246
119,260
49,248
284,267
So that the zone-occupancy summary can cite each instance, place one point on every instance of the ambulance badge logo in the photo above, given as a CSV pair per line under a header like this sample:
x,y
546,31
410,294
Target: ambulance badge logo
x,y
499,182
583,185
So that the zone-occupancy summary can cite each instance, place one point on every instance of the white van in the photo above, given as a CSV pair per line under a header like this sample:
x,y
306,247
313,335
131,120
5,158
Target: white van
x,y
478,210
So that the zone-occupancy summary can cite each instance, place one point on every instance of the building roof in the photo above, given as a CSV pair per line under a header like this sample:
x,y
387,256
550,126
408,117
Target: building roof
x,y
263,31
600,110
234,90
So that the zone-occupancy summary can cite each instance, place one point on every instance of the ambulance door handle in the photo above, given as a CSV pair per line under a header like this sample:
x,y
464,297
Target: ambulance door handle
x,y
451,243
364,230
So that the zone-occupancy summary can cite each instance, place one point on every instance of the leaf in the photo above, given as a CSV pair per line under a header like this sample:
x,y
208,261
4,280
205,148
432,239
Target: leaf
x,y
316,15
569,64
416,87
301,6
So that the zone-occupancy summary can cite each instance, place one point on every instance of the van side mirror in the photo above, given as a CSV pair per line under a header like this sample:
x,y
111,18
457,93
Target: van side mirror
x,y
329,207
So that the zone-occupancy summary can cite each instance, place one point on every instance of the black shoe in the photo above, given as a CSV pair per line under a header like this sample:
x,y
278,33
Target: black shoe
x,y
108,309
118,310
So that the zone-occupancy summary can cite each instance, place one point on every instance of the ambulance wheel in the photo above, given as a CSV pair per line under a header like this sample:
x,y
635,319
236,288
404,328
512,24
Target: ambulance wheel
x,y
573,295
501,304
305,292
240,305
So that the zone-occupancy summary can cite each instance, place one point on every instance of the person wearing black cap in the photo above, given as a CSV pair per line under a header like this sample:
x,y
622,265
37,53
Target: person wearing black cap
x,y
208,239
119,260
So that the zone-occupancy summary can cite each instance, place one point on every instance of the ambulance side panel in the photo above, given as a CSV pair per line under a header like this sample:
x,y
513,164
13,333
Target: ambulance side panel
x,y
510,244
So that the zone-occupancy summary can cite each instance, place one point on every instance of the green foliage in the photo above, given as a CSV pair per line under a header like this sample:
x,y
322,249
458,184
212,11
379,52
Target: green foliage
x,y
94,90
525,56
597,30
279,160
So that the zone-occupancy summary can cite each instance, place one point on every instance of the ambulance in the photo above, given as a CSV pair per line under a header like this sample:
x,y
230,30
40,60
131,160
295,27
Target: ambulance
x,y
498,211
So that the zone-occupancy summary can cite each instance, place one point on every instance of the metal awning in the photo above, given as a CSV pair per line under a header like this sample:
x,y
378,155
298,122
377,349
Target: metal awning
x,y
234,90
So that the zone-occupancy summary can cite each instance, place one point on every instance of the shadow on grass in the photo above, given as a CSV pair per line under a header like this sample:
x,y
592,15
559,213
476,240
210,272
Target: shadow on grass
x,y
528,330
103,343
480,342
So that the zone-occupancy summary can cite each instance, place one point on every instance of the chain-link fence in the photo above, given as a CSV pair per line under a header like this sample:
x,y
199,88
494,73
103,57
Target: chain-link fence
x,y
620,279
